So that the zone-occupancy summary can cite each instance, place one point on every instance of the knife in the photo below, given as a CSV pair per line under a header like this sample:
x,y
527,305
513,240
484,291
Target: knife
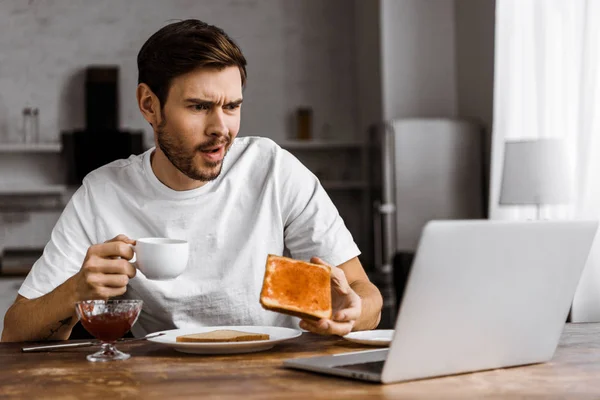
x,y
82,344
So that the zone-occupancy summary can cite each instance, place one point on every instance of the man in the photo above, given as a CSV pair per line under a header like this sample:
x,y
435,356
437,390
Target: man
x,y
234,200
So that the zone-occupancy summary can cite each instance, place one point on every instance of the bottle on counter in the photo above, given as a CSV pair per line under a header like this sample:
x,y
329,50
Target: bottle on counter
x,y
304,123
31,125
27,127
35,114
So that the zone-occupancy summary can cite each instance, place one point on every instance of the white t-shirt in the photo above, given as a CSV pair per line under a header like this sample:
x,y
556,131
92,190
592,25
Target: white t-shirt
x,y
263,202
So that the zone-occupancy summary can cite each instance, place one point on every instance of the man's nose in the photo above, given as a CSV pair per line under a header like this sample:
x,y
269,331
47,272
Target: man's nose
x,y
216,125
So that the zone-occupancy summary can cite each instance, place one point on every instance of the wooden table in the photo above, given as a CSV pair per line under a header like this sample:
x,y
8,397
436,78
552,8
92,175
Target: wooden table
x,y
155,371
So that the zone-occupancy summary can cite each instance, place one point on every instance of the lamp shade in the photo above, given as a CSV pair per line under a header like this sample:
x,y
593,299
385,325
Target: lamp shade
x,y
535,172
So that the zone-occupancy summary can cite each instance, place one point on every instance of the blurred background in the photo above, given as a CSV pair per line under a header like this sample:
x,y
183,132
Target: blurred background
x,y
391,104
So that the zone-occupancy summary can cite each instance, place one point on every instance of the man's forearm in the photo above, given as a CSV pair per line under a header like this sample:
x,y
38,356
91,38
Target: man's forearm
x,y
50,317
372,303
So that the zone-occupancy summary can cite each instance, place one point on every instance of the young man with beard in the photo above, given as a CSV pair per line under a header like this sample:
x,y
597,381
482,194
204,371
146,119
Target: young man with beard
x,y
234,199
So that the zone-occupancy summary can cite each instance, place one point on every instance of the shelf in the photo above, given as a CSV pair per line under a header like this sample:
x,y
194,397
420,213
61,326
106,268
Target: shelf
x,y
30,147
342,185
320,144
41,190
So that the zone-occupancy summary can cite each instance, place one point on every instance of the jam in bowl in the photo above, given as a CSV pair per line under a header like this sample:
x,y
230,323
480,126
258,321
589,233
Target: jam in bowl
x,y
108,321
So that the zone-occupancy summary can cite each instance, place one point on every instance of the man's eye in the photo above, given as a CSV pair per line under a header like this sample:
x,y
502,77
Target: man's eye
x,y
232,106
200,107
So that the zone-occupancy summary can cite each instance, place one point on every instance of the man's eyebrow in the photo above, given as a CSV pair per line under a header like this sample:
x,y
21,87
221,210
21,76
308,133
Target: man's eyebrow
x,y
195,100
198,101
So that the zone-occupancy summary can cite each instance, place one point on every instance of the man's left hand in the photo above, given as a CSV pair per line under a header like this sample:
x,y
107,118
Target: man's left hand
x,y
346,306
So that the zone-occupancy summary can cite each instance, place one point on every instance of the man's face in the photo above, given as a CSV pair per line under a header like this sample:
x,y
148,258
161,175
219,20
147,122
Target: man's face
x,y
199,121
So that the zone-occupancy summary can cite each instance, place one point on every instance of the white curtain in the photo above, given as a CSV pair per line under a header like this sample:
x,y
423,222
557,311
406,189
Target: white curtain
x,y
547,85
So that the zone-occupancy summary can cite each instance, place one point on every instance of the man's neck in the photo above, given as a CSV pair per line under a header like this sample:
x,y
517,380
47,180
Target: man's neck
x,y
170,176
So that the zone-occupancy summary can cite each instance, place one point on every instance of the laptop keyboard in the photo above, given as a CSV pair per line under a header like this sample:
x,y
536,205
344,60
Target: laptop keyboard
x,y
374,367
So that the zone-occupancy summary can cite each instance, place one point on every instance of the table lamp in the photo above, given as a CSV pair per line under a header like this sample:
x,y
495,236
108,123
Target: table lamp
x,y
536,172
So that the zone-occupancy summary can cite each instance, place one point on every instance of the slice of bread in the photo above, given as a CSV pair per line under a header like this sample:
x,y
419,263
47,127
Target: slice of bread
x,y
296,288
222,335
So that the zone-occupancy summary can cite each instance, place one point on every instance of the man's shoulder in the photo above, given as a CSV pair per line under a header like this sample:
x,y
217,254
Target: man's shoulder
x,y
254,150
255,143
263,155
116,169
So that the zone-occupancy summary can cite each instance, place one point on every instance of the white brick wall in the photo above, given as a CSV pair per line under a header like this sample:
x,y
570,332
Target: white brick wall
x,y
299,53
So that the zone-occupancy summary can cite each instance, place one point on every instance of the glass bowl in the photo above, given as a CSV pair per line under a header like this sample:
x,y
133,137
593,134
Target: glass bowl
x,y
107,321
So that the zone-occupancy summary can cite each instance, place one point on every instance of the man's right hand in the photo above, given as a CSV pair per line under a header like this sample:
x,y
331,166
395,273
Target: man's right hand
x,y
105,273
106,270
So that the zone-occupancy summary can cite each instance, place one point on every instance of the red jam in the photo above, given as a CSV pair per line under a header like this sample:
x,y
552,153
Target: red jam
x,y
109,327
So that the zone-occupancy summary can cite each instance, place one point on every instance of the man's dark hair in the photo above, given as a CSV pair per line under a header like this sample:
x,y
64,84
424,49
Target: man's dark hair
x,y
182,47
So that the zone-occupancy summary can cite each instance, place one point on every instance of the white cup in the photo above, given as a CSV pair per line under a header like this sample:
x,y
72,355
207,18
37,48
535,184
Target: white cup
x,y
160,258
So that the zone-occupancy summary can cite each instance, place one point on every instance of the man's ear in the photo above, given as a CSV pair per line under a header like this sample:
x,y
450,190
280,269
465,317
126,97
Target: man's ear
x,y
149,104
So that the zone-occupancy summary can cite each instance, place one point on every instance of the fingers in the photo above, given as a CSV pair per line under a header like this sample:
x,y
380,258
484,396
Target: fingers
x,y
105,271
327,327
338,277
347,314
112,249
97,264
108,280
130,270
317,260
98,285
121,238
350,309
339,283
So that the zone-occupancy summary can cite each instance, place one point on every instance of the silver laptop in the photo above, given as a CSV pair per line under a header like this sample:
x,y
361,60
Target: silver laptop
x,y
481,295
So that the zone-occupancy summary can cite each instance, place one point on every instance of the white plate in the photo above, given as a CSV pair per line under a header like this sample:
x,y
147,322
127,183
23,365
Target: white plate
x,y
276,334
377,337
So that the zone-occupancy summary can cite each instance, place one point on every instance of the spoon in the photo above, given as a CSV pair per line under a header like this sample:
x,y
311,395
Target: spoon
x,y
81,344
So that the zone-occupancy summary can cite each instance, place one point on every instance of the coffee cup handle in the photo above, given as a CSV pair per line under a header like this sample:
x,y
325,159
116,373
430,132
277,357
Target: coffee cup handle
x,y
134,258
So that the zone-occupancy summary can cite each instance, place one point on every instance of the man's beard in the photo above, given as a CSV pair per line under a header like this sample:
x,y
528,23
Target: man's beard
x,y
184,160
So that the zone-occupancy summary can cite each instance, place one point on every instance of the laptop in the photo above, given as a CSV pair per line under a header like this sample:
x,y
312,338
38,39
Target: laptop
x,y
480,295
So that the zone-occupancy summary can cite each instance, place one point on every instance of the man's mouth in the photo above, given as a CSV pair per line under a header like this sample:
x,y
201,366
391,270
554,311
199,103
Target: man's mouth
x,y
214,153
214,148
